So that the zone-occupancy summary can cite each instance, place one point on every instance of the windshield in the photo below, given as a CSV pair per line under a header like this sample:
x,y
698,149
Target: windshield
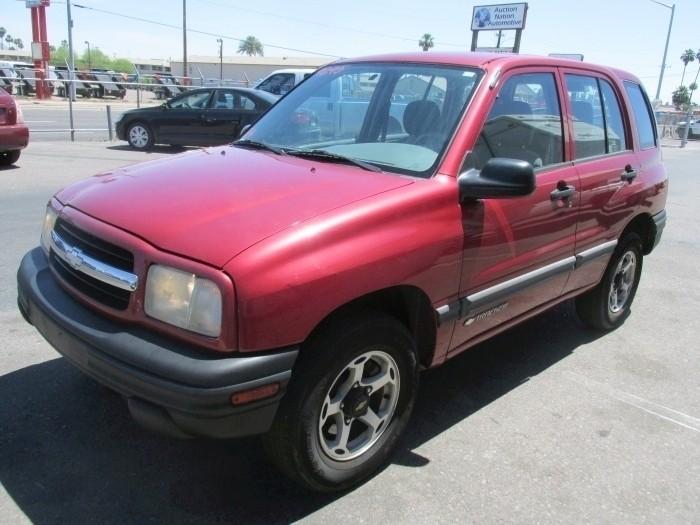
x,y
398,117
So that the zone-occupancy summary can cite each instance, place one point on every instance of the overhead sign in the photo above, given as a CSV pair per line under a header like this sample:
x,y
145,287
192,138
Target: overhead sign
x,y
495,17
37,3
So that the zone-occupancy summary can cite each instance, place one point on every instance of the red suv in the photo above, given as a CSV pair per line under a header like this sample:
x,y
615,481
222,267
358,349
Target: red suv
x,y
14,134
294,283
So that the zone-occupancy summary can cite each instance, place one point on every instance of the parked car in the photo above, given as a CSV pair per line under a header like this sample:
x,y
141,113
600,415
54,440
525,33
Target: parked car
x,y
294,284
200,117
14,134
282,81
693,131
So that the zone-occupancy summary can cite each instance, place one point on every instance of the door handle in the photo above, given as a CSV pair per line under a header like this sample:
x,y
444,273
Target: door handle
x,y
562,192
629,174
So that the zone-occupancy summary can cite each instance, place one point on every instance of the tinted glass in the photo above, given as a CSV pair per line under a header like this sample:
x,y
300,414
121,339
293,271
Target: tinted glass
x,y
397,116
197,100
232,100
525,123
614,124
642,115
587,115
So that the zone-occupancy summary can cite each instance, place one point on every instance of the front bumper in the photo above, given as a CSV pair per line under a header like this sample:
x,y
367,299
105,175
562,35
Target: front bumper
x,y
172,388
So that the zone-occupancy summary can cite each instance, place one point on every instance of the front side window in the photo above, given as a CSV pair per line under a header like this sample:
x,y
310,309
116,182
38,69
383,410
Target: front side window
x,y
646,130
525,123
196,100
398,117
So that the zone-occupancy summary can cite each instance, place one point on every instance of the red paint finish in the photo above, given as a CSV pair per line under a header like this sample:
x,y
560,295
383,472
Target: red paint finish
x,y
14,133
289,244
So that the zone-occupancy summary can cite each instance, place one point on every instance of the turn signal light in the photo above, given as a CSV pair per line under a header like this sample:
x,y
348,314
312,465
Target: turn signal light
x,y
254,394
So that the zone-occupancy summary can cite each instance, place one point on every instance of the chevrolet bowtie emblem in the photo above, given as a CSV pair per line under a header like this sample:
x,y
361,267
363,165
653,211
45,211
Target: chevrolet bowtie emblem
x,y
74,257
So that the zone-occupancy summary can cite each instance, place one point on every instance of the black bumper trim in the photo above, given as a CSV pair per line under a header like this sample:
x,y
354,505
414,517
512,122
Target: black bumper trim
x,y
659,225
191,387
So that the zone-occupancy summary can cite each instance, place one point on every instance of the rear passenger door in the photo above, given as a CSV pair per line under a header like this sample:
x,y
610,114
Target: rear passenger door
x,y
606,166
518,253
229,111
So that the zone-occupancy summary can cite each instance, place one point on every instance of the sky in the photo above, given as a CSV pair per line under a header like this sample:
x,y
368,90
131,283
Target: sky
x,y
628,34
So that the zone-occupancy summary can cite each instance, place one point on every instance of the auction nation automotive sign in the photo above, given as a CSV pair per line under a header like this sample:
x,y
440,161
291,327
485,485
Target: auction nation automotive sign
x,y
495,17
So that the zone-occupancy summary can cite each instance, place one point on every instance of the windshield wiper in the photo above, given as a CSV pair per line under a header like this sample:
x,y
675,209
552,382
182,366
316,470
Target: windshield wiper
x,y
327,155
254,144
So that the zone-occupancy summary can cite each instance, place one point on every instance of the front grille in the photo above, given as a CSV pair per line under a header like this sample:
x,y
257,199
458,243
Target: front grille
x,y
101,250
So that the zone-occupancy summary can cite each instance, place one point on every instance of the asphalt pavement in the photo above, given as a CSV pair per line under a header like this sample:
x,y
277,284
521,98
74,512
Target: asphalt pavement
x,y
547,423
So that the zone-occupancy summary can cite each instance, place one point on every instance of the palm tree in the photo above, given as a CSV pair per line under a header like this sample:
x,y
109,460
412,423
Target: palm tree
x,y
687,57
9,40
18,42
426,42
251,46
2,36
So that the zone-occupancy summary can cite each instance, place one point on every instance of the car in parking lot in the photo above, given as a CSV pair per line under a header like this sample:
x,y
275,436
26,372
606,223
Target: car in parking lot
x,y
294,284
200,117
282,81
14,133
693,130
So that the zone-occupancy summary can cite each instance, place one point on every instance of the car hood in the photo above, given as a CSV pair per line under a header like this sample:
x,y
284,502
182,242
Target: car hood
x,y
211,204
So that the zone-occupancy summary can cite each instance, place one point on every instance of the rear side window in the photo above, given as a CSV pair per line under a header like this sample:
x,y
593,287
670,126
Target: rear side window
x,y
614,125
642,115
587,115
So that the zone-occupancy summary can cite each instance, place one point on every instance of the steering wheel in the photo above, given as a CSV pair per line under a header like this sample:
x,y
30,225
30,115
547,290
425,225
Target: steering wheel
x,y
432,140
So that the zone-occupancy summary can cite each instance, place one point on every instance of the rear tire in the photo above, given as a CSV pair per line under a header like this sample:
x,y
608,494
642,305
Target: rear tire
x,y
320,438
607,305
9,157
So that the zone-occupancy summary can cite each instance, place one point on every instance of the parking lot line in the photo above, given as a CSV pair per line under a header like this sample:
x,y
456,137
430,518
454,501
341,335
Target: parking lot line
x,y
669,414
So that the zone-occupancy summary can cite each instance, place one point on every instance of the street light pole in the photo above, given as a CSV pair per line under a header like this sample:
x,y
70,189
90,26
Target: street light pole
x,y
89,57
71,72
184,41
668,37
221,59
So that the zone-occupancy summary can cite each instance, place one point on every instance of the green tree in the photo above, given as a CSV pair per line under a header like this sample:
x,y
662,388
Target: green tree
x,y
59,57
9,40
3,32
18,42
251,46
426,42
687,57
681,98
122,65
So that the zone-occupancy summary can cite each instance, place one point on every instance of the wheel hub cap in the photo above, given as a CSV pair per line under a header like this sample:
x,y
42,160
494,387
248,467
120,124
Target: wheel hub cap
x,y
359,405
622,282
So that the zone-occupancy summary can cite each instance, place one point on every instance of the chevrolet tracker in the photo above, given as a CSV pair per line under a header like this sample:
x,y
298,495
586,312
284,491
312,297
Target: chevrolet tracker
x,y
384,216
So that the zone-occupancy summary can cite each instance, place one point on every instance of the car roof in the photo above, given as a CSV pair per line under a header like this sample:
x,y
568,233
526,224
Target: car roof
x,y
269,97
488,60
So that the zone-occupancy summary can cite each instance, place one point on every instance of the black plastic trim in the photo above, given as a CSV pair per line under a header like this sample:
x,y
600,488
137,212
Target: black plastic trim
x,y
659,224
193,386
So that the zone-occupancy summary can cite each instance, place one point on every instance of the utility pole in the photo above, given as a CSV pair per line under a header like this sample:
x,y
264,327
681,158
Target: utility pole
x,y
221,59
184,40
668,37
71,72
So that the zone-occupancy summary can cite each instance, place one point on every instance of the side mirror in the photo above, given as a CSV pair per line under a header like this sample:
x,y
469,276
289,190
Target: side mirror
x,y
499,178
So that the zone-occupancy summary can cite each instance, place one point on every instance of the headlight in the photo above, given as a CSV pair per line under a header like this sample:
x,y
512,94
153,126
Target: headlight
x,y
47,228
183,299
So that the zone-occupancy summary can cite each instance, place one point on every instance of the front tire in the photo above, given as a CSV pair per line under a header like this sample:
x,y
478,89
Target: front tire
x,y
607,305
347,404
9,157
139,136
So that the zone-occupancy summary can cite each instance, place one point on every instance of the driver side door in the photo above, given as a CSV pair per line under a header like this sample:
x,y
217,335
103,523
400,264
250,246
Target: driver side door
x,y
519,252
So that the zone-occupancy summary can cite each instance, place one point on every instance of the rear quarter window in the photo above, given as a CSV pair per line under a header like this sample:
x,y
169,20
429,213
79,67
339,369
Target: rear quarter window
x,y
646,130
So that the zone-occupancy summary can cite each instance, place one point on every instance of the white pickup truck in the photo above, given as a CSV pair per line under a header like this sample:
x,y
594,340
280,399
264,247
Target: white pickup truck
x,y
282,81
